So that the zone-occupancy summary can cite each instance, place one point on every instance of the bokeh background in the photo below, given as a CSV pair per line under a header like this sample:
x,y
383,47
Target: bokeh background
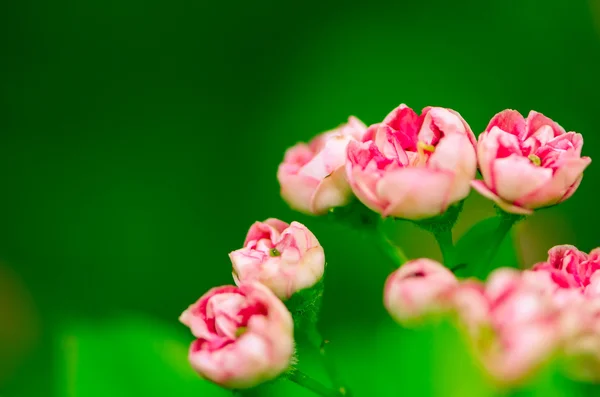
x,y
140,139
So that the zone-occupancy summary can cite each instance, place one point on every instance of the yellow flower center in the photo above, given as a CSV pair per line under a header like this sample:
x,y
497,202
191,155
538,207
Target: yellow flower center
x,y
535,159
423,148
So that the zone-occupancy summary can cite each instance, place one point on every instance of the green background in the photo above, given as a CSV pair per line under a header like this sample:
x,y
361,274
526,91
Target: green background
x,y
140,139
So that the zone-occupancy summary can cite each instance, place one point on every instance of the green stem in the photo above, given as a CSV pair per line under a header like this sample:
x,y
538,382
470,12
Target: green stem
x,y
319,343
506,223
311,384
389,248
444,239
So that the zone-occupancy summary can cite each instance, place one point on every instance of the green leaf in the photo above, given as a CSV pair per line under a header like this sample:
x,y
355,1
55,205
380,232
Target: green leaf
x,y
124,357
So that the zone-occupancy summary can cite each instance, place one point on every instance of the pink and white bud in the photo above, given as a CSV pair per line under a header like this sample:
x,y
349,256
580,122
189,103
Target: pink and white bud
x,y
244,335
312,175
528,163
412,166
417,289
285,258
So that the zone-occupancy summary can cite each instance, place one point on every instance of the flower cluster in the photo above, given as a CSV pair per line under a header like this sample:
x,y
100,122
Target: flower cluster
x,y
245,334
517,321
417,167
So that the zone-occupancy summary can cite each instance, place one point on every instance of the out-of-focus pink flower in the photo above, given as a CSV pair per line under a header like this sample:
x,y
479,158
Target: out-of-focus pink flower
x,y
513,323
528,163
244,335
572,281
312,176
580,325
417,289
285,258
412,166
568,267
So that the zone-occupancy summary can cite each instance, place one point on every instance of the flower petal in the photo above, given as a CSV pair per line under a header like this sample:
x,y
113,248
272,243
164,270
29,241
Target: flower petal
x,y
510,121
481,187
415,193
516,177
333,191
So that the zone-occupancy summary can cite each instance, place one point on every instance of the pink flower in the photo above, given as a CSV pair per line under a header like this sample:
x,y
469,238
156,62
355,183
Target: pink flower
x,y
528,163
244,336
312,176
568,267
513,322
285,258
412,166
416,289
574,287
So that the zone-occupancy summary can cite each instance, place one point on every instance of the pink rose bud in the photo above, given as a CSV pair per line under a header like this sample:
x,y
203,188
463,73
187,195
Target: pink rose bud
x,y
312,176
569,268
244,335
528,163
513,322
412,166
285,258
417,289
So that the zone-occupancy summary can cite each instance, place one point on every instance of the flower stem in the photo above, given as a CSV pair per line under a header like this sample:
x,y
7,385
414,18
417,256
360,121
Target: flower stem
x,y
389,248
320,343
444,239
311,384
506,223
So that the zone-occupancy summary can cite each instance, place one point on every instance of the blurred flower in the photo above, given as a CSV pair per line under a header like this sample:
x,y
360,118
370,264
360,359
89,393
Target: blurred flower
x,y
312,176
568,267
417,289
572,278
580,325
244,335
528,163
512,322
286,258
412,166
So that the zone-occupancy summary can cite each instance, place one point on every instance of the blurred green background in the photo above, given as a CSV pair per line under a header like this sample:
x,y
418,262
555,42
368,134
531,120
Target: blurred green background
x,y
140,139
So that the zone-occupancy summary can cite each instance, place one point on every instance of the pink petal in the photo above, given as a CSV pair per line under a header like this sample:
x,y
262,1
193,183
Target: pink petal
x,y
296,190
509,121
415,193
456,154
536,120
333,191
481,187
559,186
517,177
491,146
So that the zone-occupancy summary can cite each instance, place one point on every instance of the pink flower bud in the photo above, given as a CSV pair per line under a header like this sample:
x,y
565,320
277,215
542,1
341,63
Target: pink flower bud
x,y
312,176
244,336
528,163
285,258
512,321
412,166
416,289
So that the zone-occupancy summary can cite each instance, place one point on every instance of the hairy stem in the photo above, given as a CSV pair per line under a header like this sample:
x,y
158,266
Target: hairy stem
x,y
311,384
